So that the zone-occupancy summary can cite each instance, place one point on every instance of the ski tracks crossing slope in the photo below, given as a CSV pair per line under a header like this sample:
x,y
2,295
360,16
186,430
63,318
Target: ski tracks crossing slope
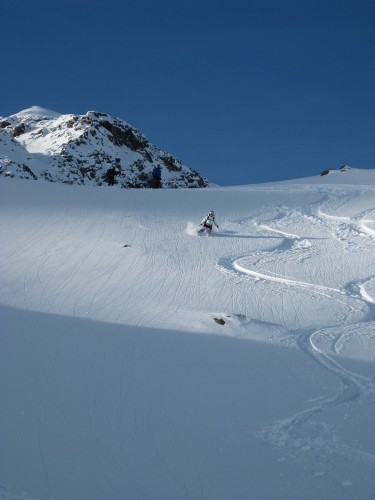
x,y
349,332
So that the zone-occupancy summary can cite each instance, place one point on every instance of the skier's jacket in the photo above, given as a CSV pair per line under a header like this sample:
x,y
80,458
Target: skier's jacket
x,y
208,221
157,172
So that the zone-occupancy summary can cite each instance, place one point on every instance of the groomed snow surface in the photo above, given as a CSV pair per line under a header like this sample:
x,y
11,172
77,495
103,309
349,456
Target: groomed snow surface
x,y
117,383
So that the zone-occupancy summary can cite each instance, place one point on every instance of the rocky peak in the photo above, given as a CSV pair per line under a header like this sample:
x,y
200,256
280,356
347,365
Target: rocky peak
x,y
80,149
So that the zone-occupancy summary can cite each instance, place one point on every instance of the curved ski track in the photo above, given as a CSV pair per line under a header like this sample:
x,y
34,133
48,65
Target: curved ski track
x,y
303,431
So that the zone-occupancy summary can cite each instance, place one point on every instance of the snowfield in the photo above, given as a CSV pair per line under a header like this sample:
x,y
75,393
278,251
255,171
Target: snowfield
x,y
116,381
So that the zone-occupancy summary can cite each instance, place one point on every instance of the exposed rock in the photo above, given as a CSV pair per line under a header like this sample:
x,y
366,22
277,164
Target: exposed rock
x,y
18,130
171,164
219,321
343,168
79,149
125,137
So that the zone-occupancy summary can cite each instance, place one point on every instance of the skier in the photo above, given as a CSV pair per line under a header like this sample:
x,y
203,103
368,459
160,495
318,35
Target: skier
x,y
110,175
208,222
156,177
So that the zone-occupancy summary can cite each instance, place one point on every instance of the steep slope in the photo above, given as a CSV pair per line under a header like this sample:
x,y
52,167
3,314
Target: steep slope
x,y
79,149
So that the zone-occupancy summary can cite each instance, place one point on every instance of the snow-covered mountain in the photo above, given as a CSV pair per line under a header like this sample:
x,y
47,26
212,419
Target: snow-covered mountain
x,y
139,360
79,149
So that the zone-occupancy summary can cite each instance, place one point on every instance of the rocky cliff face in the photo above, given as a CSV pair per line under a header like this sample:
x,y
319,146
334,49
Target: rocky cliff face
x,y
80,149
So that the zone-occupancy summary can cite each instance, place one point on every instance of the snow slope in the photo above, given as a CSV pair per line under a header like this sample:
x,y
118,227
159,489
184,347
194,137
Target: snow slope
x,y
116,380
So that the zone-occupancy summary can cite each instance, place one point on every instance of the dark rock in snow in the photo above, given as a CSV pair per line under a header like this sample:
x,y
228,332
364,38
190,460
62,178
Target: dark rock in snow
x,y
219,321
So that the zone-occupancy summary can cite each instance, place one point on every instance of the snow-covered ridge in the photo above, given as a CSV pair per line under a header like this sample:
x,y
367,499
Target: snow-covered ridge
x,y
343,176
35,112
38,143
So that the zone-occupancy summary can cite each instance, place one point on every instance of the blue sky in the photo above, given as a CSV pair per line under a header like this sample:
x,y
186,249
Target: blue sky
x,y
242,91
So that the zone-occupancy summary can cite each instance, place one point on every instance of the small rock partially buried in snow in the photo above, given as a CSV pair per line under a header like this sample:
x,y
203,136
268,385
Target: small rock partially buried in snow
x,y
219,321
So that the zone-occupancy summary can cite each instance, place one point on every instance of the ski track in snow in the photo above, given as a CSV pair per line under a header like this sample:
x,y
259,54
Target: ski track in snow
x,y
267,251
303,431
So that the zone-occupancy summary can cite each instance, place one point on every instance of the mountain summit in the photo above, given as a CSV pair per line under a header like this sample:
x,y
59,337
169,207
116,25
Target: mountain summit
x,y
37,143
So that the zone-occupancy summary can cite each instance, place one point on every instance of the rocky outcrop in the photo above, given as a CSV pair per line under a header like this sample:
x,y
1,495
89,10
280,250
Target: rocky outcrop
x,y
343,168
80,149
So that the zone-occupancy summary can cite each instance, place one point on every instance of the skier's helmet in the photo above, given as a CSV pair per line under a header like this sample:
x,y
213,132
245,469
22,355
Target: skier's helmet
x,y
211,213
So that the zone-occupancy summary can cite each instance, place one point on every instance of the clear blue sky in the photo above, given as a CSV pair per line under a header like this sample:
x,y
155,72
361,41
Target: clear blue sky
x,y
244,91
